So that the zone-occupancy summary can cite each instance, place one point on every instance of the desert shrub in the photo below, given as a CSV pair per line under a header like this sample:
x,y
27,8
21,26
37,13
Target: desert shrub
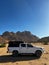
x,y
45,64
45,43
2,45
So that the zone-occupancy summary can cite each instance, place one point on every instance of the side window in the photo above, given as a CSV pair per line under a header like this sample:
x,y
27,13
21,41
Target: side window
x,y
23,45
28,45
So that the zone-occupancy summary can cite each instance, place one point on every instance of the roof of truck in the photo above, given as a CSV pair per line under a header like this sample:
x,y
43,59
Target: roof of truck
x,y
13,42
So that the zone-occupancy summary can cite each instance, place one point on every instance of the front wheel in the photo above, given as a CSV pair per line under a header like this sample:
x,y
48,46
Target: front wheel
x,y
38,53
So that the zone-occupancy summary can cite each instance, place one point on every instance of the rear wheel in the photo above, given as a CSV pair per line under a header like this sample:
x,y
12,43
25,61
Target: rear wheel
x,y
38,53
15,53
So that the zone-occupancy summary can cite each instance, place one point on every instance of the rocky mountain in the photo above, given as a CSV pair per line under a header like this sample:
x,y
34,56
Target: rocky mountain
x,y
44,39
2,40
25,36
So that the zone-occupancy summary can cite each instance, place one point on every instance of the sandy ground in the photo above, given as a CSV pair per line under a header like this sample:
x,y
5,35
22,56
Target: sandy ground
x,y
7,59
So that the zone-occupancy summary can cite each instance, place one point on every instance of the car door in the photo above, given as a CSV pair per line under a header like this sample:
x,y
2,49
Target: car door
x,y
23,48
30,48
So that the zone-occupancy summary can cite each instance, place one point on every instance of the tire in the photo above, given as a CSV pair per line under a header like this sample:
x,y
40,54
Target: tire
x,y
15,53
38,53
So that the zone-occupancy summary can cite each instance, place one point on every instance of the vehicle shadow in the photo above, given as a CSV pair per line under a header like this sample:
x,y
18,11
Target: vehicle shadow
x,y
10,58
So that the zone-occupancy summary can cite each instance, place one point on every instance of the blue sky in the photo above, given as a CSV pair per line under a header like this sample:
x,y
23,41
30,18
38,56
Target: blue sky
x,y
20,15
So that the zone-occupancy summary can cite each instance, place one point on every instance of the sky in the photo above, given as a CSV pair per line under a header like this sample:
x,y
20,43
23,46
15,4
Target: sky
x,y
25,15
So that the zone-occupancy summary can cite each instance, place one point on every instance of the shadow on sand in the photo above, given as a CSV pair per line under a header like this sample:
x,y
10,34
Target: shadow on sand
x,y
10,58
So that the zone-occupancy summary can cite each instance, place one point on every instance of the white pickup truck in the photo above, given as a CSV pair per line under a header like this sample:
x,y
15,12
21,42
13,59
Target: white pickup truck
x,y
16,48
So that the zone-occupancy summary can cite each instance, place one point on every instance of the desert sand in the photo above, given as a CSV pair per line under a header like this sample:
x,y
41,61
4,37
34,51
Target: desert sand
x,y
7,59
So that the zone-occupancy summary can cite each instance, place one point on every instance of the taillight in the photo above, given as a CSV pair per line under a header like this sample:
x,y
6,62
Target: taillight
x,y
8,49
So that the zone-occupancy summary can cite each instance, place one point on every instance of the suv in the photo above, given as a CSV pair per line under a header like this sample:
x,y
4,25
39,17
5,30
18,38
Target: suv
x,y
19,47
